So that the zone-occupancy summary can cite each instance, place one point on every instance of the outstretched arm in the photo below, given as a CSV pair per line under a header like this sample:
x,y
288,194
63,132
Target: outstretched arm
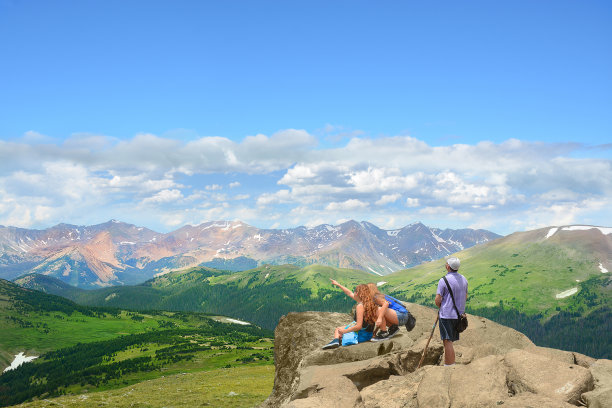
x,y
346,291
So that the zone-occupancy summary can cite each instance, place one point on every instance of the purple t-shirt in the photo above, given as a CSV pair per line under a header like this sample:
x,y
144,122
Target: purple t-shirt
x,y
459,285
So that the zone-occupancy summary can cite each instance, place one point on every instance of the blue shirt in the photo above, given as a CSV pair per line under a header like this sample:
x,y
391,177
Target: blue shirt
x,y
395,304
459,285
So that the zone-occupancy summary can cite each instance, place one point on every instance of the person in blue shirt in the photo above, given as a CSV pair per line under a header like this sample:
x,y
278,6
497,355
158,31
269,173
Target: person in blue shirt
x,y
447,313
391,314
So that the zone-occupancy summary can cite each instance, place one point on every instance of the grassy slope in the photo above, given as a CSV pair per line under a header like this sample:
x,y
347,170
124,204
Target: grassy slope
x,y
36,323
261,295
523,270
61,324
233,387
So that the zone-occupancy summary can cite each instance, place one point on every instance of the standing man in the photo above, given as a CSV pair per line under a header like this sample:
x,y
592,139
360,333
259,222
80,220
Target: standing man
x,y
448,315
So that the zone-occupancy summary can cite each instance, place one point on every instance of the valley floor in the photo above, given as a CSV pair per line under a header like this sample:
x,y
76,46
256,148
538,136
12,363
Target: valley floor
x,y
225,387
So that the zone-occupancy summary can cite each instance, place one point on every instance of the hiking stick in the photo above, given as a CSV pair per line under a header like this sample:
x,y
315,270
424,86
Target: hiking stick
x,y
430,336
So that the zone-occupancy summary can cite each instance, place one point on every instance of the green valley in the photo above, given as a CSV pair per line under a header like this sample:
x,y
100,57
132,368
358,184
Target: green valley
x,y
237,387
261,295
91,349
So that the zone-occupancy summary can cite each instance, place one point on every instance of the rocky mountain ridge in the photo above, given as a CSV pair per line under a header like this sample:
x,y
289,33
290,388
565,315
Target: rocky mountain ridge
x,y
118,253
496,366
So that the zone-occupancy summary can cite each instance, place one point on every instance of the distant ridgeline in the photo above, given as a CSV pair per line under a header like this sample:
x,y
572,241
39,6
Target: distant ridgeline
x,y
102,348
116,253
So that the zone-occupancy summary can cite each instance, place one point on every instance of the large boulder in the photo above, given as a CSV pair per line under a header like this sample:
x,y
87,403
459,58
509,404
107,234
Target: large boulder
x,y
545,376
496,366
601,396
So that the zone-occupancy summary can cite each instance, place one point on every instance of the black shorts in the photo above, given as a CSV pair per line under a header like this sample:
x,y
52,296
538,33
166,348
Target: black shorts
x,y
448,329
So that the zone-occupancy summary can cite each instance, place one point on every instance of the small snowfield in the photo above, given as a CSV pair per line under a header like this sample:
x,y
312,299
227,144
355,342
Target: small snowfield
x,y
567,293
19,360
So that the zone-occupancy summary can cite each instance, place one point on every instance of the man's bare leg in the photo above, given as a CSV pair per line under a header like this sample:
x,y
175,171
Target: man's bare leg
x,y
449,353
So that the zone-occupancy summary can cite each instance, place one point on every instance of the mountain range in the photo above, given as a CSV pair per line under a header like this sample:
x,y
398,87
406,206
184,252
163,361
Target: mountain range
x,y
117,253
545,283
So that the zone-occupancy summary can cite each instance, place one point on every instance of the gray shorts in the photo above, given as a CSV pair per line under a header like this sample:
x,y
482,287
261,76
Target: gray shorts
x,y
402,317
448,329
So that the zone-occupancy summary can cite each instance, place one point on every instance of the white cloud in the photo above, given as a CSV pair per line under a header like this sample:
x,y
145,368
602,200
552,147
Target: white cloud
x,y
412,202
348,205
281,196
32,137
519,184
388,198
164,196
451,188
383,179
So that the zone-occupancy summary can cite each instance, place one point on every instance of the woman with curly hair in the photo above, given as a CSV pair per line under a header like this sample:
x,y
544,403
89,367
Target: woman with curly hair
x,y
365,316
391,314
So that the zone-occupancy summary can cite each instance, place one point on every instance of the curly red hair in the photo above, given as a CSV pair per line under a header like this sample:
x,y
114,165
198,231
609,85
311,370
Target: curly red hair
x,y
370,308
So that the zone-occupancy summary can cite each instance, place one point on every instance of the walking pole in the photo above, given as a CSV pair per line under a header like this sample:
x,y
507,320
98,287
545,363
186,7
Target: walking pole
x,y
430,336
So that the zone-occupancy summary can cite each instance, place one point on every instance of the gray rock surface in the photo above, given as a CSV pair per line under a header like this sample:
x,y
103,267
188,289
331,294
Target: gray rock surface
x,y
601,396
496,366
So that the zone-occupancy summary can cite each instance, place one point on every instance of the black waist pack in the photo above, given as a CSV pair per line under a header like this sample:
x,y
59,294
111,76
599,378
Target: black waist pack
x,y
462,323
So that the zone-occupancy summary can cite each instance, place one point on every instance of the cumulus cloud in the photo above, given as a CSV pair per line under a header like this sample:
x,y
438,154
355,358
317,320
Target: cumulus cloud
x,y
164,196
388,198
348,205
412,202
520,184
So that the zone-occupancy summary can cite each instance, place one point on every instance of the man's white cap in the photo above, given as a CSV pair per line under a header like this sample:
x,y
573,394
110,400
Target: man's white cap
x,y
453,263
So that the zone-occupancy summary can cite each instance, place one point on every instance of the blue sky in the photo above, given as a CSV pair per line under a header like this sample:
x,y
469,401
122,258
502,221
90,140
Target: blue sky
x,y
285,113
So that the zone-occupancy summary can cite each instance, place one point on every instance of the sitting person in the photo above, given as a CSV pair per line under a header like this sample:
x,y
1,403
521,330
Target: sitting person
x,y
390,312
365,316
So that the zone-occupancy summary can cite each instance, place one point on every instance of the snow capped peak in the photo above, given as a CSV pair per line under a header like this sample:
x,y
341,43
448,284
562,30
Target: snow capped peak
x,y
553,231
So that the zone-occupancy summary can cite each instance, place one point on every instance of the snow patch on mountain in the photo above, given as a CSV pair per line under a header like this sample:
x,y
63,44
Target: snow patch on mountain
x,y
238,322
567,293
551,232
602,269
437,237
373,271
19,360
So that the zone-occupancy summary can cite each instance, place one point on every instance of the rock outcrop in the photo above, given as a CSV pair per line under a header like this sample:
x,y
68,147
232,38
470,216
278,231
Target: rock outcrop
x,y
496,366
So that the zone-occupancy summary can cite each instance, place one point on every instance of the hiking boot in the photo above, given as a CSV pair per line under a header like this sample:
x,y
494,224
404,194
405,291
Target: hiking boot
x,y
335,343
387,334
380,336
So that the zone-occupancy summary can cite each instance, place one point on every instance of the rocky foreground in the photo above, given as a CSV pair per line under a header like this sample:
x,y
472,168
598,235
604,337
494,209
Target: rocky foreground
x,y
496,366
